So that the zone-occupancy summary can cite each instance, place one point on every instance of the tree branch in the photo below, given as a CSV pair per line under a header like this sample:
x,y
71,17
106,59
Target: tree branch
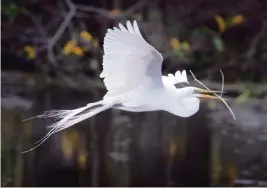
x,y
259,89
60,31
107,14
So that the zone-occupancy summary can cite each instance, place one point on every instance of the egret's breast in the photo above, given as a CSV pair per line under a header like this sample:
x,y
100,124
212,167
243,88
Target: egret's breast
x,y
185,107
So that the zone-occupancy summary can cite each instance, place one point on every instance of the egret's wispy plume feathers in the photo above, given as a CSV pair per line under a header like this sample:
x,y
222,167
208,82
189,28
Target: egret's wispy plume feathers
x,y
70,118
48,114
82,117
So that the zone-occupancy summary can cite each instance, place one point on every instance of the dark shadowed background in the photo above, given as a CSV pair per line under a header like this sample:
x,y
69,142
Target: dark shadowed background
x,y
51,59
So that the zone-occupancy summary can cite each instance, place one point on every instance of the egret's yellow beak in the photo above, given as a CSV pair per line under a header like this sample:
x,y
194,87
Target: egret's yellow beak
x,y
204,93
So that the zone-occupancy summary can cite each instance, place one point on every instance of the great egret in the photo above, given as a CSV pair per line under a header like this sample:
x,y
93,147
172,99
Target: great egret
x,y
132,75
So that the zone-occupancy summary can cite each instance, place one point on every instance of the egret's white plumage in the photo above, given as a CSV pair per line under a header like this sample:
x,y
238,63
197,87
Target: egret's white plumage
x,y
129,61
134,82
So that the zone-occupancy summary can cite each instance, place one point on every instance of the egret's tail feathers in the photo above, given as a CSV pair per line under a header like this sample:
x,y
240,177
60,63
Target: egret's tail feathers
x,y
81,117
68,118
57,114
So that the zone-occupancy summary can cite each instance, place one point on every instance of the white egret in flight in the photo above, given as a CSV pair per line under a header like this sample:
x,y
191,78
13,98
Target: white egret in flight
x,y
134,82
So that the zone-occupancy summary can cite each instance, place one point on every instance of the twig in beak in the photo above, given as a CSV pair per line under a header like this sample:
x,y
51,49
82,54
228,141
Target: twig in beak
x,y
214,94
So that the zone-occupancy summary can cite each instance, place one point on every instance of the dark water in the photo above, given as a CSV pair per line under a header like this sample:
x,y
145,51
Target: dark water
x,y
131,149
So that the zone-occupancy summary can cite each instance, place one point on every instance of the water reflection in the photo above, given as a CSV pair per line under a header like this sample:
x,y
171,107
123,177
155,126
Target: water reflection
x,y
132,149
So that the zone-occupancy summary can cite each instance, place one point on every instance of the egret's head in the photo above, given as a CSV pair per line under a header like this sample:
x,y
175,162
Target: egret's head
x,y
191,95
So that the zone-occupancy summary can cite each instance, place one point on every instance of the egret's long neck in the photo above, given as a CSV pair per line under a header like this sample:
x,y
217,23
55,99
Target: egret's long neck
x,y
184,108
178,104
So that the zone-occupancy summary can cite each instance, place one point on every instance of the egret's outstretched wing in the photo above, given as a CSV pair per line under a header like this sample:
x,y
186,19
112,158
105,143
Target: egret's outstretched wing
x,y
129,60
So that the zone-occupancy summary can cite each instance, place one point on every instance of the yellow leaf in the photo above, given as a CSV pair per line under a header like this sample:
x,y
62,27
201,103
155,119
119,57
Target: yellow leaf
x,y
175,43
95,43
221,23
185,45
82,159
69,141
68,47
114,12
238,19
243,97
172,149
232,173
30,50
77,51
86,36
66,146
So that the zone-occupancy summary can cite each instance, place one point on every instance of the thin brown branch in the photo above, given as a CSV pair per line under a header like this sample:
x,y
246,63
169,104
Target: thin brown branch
x,y
60,31
254,43
236,88
107,14
36,40
135,7
37,22
92,9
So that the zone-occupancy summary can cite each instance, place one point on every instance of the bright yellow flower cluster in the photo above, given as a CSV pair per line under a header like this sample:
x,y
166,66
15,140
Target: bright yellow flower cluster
x,y
71,46
223,25
177,45
30,51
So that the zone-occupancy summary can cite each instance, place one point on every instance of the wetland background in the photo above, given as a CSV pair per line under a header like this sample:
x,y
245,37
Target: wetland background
x,y
51,59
